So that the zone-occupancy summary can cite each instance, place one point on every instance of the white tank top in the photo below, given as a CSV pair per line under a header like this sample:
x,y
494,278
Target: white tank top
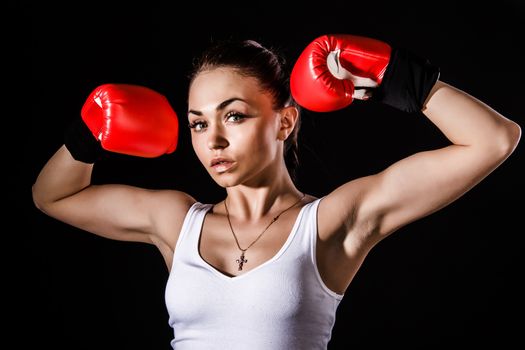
x,y
281,304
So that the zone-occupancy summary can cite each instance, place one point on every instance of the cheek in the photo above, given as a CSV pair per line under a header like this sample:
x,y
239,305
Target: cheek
x,y
251,144
257,142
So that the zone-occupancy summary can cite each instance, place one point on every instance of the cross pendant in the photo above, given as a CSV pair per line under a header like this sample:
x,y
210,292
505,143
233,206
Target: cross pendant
x,y
241,261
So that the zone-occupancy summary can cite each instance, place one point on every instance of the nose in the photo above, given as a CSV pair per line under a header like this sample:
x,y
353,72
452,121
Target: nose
x,y
216,138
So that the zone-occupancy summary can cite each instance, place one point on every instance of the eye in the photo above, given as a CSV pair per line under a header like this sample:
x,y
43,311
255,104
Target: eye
x,y
235,116
197,126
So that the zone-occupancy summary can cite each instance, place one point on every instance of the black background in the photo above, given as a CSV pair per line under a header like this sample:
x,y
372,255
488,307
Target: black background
x,y
452,278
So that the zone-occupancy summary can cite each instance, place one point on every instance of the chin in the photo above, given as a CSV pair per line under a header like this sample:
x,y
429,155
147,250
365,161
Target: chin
x,y
226,180
234,178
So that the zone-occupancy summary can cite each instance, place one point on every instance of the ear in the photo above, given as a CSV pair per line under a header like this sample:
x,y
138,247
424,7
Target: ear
x,y
288,118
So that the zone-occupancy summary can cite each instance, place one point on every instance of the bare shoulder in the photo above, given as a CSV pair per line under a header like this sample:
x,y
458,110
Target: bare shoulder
x,y
170,209
340,210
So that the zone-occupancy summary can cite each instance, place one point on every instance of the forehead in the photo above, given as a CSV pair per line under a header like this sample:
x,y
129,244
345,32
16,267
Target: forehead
x,y
221,84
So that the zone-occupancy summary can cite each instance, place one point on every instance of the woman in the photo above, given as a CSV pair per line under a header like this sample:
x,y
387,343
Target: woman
x,y
257,270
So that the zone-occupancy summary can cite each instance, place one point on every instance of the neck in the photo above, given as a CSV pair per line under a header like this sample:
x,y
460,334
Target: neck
x,y
247,203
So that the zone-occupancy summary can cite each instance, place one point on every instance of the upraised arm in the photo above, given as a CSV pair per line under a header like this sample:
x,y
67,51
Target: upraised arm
x,y
334,70
127,119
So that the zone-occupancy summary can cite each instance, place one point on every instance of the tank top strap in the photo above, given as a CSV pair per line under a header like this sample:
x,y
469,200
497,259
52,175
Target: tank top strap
x,y
190,230
306,242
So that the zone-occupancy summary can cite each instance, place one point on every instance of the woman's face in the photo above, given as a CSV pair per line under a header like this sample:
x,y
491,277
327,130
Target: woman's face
x,y
234,128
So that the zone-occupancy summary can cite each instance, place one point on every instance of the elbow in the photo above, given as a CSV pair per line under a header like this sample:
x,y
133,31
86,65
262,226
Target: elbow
x,y
498,146
511,136
516,131
38,201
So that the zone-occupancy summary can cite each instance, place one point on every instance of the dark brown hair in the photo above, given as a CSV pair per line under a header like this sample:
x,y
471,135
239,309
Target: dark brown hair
x,y
251,59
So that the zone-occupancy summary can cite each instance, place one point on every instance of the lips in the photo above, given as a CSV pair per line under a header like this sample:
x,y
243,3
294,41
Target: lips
x,y
221,164
219,161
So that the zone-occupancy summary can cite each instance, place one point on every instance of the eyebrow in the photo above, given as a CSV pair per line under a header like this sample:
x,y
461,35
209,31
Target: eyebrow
x,y
220,106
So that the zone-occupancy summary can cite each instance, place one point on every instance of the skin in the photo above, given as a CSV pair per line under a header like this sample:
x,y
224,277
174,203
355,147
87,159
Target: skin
x,y
352,219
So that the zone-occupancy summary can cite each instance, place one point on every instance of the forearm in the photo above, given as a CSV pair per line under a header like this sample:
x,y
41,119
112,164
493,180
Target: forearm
x,y
466,121
61,177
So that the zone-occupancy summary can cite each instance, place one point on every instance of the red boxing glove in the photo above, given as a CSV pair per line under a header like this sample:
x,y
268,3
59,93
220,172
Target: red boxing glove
x,y
132,120
334,69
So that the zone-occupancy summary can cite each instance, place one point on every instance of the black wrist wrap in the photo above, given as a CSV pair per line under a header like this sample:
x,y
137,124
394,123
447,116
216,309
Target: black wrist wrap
x,y
81,143
407,81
